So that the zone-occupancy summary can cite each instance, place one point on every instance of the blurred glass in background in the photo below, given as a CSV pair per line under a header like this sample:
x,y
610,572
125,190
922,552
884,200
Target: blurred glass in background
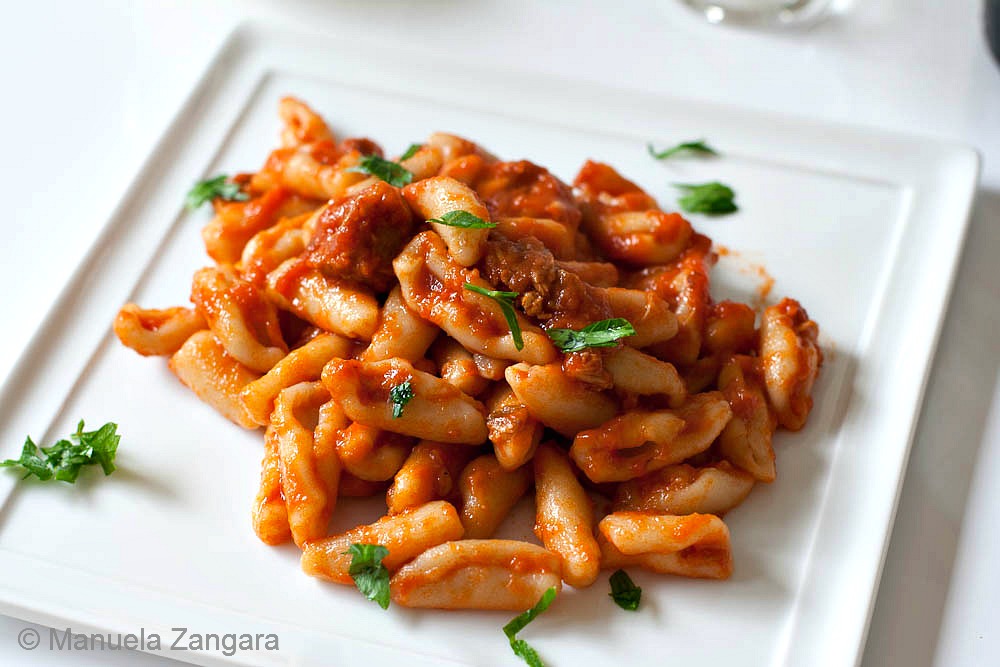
x,y
992,19
763,12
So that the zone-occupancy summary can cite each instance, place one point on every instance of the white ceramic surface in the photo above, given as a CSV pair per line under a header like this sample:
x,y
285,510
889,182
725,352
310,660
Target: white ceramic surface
x,y
879,207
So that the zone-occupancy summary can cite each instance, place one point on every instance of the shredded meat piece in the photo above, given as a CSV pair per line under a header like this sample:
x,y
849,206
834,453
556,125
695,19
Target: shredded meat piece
x,y
557,297
357,237
523,189
587,366
363,145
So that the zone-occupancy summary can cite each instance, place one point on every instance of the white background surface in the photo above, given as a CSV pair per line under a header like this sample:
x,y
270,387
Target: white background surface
x,y
90,86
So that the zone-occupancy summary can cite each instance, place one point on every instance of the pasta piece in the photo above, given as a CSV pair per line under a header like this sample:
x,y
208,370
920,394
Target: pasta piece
x,y
269,248
791,359
564,517
370,453
711,563
270,516
457,366
437,410
308,498
434,197
489,492
426,162
401,332
214,376
685,288
635,533
429,473
324,302
317,170
638,442
684,489
433,286
330,421
625,222
465,169
746,440
490,368
359,187
643,238
241,318
639,373
558,401
477,574
555,236
406,535
629,445
236,222
156,332
703,373
453,147
302,124
515,434
729,328
649,315
604,190
696,545
300,365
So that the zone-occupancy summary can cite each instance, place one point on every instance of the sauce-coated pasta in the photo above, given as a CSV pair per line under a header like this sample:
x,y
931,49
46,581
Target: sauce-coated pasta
x,y
462,334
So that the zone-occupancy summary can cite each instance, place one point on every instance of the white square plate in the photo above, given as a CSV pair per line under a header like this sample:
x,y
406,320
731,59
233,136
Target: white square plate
x,y
864,227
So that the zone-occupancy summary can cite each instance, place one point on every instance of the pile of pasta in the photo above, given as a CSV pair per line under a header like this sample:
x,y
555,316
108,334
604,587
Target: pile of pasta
x,y
332,288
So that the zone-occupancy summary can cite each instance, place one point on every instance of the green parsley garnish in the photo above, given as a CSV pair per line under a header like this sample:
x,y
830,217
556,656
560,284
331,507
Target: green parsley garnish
x,y
463,219
506,303
400,395
519,646
624,591
605,333
368,572
698,146
63,460
210,188
713,198
391,172
410,152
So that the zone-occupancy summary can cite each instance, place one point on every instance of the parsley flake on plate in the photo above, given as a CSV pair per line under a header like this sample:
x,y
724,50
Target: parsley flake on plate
x,y
624,591
698,147
713,198
520,647
64,460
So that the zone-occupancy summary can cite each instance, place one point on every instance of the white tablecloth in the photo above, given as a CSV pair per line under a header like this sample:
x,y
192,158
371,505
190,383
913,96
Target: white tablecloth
x,y
88,87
